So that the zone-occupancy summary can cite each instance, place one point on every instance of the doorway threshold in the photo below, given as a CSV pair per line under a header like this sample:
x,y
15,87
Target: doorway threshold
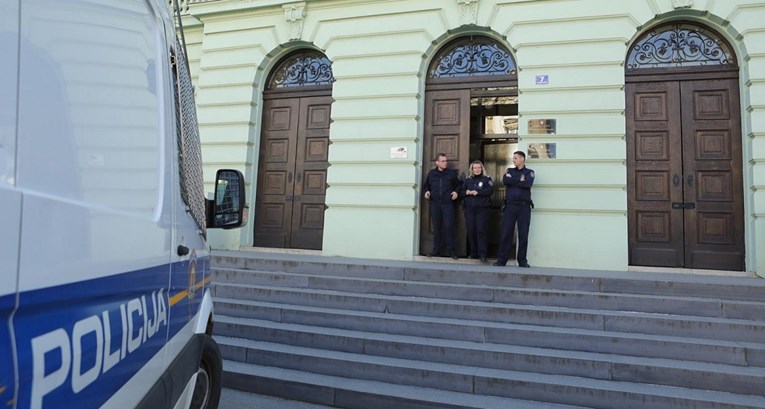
x,y
462,260
276,250
696,271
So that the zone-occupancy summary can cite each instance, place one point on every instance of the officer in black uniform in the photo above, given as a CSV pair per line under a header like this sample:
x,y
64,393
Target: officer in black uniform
x,y
441,188
518,205
476,191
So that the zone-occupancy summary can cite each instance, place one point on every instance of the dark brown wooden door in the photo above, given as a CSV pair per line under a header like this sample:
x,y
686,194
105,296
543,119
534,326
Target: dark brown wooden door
x,y
447,130
712,162
684,174
292,173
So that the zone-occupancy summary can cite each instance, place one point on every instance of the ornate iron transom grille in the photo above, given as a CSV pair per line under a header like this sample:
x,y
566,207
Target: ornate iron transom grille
x,y
680,45
471,58
303,69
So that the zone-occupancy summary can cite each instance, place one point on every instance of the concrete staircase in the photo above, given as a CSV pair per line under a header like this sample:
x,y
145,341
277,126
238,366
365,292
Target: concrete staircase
x,y
384,334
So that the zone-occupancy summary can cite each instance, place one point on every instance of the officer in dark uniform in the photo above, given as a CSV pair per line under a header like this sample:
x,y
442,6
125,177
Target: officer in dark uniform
x,y
441,188
518,205
476,191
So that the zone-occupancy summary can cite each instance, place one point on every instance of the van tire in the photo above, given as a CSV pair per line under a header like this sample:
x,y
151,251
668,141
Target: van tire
x,y
209,375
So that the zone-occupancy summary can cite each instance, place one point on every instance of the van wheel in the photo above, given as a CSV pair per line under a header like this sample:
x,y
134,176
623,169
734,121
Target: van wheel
x,y
207,388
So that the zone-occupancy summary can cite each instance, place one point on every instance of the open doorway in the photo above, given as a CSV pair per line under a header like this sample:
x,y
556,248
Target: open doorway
x,y
493,139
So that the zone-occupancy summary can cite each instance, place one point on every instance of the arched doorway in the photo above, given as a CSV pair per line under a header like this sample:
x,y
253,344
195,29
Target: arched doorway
x,y
684,160
471,112
294,140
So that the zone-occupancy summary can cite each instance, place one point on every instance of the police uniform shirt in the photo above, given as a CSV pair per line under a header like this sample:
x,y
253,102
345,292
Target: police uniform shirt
x,y
441,184
483,185
517,190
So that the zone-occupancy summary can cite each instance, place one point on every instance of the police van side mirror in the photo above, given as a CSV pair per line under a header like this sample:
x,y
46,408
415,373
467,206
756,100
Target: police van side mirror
x,y
227,210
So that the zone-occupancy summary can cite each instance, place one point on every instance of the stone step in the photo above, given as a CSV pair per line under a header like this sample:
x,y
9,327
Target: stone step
x,y
675,372
664,284
349,393
278,321
560,389
411,334
635,322
696,306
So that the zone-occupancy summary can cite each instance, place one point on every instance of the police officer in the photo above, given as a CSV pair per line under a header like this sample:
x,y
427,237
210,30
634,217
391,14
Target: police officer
x,y
441,188
476,191
518,205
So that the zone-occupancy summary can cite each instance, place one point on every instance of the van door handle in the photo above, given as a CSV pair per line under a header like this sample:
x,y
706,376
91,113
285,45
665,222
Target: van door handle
x,y
183,250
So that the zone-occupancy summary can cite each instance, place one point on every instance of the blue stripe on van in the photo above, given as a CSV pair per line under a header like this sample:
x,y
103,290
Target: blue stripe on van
x,y
7,385
118,323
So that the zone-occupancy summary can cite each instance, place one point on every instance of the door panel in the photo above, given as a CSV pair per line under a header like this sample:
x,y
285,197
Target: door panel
x,y
308,206
273,208
447,130
654,155
714,229
292,175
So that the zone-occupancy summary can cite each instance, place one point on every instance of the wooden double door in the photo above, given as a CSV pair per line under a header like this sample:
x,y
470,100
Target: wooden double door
x,y
292,172
685,187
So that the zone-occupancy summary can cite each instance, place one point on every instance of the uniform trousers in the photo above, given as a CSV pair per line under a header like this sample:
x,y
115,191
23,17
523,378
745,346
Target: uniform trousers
x,y
442,218
477,224
520,214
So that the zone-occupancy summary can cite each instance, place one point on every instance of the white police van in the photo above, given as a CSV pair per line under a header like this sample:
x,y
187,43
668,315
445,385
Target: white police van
x,y
104,264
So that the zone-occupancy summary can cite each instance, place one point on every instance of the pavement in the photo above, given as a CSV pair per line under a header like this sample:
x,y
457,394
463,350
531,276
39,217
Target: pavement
x,y
235,399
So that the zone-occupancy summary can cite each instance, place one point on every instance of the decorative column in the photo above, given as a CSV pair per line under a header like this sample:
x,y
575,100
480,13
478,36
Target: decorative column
x,y
294,14
468,11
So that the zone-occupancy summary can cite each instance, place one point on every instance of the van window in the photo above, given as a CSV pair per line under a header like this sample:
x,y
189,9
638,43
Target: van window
x,y
89,113
9,41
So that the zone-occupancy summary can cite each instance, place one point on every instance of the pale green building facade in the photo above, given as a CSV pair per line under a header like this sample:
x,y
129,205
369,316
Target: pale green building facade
x,y
570,58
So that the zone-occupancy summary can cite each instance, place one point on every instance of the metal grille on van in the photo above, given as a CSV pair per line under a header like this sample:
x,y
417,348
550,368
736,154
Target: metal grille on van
x,y
190,152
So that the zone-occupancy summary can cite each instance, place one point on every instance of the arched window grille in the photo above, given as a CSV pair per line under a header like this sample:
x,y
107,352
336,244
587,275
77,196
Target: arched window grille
x,y
472,57
680,45
302,69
